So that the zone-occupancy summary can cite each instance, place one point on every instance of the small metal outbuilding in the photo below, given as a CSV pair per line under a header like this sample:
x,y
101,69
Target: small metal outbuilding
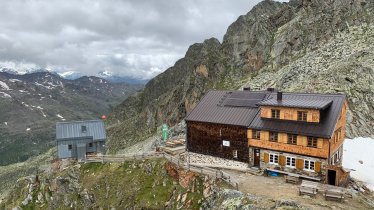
x,y
79,138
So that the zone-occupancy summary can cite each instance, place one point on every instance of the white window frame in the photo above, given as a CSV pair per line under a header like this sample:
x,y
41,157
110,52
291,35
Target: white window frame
x,y
270,158
235,153
309,164
290,166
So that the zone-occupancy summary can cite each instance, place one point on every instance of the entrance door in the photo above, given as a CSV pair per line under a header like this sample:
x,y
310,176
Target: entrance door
x,y
331,174
256,153
81,151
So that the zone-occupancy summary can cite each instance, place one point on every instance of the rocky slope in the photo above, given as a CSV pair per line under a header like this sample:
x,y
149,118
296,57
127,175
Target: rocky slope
x,y
269,38
345,64
151,184
30,105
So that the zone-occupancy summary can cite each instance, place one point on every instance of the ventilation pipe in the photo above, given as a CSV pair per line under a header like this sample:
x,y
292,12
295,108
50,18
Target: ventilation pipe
x,y
279,96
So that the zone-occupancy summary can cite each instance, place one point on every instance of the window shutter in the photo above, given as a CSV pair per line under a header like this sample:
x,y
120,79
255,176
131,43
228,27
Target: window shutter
x,y
282,160
266,157
317,166
319,143
300,164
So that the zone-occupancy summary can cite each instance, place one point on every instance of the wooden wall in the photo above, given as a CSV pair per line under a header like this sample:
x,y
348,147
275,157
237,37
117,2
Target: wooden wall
x,y
339,125
206,138
290,113
342,176
301,147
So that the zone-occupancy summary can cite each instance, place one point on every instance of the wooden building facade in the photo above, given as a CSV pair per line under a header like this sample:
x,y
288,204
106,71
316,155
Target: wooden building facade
x,y
290,132
229,141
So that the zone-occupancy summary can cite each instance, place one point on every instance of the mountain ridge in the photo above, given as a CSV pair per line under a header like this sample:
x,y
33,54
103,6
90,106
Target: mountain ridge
x,y
272,35
30,105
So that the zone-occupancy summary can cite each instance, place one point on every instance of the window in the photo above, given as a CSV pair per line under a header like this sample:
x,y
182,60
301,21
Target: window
x,y
275,113
291,162
235,153
337,135
312,142
70,147
273,158
84,129
256,134
292,139
309,165
302,116
90,145
274,136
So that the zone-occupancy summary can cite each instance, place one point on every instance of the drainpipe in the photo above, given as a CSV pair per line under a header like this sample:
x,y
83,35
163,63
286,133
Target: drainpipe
x,y
328,159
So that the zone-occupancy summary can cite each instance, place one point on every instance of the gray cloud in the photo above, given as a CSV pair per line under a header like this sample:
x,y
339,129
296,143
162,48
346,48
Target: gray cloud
x,y
131,38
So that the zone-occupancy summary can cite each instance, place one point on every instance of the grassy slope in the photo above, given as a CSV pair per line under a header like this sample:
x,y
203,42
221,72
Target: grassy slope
x,y
138,184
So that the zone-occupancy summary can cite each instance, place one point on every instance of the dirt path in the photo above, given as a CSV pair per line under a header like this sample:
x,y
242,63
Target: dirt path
x,y
276,188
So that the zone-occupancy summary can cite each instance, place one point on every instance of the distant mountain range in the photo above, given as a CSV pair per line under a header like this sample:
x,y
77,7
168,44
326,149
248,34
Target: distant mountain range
x,y
31,104
72,75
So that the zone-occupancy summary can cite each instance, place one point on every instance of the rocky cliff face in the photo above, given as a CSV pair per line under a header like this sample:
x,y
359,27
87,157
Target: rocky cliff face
x,y
257,50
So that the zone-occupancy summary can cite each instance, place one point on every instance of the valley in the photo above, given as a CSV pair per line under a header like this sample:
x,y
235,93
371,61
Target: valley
x,y
31,104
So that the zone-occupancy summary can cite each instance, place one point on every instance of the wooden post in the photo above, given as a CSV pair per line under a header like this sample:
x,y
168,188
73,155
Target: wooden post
x,y
237,186
102,160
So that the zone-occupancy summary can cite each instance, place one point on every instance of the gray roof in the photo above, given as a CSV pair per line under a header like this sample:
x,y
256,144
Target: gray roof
x,y
73,130
224,107
296,101
241,108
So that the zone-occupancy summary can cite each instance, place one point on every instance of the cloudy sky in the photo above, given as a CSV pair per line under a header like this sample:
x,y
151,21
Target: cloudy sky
x,y
128,37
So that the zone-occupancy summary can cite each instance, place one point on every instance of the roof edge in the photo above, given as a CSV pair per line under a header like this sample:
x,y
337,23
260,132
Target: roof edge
x,y
81,121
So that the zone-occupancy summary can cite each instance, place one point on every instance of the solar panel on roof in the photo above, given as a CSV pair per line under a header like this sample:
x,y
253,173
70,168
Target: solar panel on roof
x,y
247,95
244,99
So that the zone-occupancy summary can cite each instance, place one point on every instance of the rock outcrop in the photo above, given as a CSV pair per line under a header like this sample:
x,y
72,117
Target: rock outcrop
x,y
273,36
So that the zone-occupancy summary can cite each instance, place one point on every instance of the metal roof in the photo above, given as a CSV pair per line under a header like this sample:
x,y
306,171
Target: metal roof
x,y
214,108
218,107
297,102
324,128
73,130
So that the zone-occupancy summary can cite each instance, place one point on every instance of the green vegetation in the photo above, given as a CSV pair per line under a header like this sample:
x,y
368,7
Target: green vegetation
x,y
146,184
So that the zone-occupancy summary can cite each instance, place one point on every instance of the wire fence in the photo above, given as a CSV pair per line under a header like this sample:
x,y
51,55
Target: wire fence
x,y
176,160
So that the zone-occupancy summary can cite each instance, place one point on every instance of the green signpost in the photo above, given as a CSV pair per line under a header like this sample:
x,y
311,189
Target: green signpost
x,y
165,132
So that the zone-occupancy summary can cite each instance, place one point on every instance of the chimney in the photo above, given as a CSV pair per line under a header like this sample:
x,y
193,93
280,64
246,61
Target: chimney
x,y
279,96
246,88
270,89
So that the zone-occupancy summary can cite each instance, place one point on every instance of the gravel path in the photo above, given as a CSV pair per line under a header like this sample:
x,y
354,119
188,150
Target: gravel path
x,y
276,188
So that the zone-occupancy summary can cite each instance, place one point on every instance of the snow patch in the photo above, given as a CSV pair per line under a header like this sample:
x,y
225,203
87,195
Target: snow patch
x,y
15,80
360,150
44,115
5,95
5,123
61,117
4,86
28,129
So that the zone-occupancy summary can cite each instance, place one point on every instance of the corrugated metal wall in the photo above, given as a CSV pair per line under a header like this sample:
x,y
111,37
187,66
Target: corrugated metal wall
x,y
64,152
